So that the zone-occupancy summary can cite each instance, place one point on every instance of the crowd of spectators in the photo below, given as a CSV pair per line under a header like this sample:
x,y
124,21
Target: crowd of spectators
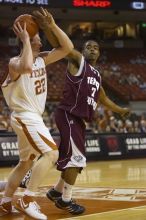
x,y
105,121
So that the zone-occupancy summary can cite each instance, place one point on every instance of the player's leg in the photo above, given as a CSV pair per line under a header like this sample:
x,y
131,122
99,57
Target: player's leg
x,y
66,202
15,177
23,183
56,192
11,185
41,169
40,142
70,162
26,179
68,176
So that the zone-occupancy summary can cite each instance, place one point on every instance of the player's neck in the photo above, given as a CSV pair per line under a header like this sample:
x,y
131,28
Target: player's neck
x,y
92,63
34,57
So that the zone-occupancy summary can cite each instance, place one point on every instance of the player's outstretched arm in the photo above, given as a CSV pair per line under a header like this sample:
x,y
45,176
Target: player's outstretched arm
x,y
43,23
124,112
74,57
46,21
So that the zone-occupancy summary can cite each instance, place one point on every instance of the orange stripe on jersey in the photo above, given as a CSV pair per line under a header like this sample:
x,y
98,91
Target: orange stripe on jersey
x,y
49,143
16,78
30,139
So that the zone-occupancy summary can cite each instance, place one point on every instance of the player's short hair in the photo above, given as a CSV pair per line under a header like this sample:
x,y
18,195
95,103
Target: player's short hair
x,y
88,42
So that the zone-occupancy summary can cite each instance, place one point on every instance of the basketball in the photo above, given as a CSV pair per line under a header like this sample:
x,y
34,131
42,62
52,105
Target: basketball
x,y
31,26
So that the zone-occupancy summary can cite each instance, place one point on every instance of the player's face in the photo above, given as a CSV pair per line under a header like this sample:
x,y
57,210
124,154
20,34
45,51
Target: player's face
x,y
36,44
91,50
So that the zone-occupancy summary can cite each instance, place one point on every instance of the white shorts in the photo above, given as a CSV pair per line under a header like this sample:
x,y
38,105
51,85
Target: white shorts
x,y
34,138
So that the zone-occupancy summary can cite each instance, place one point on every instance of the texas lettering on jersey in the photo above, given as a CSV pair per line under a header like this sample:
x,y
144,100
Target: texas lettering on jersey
x,y
38,73
40,83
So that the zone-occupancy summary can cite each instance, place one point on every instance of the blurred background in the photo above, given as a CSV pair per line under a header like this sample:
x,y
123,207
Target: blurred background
x,y
120,29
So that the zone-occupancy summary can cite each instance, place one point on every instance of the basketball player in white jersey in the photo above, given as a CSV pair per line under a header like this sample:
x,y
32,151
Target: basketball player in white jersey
x,y
25,91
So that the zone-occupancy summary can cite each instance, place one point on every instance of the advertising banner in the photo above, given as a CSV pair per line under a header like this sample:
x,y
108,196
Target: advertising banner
x,y
93,149
8,150
98,146
135,144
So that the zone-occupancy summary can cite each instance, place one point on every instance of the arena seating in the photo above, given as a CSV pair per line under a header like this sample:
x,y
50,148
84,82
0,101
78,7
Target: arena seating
x,y
116,67
120,65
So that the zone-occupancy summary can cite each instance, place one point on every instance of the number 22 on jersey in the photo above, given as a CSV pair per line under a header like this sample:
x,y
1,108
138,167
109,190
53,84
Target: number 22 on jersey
x,y
40,86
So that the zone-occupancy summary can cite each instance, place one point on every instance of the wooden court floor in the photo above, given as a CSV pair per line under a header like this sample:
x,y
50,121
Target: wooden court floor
x,y
109,190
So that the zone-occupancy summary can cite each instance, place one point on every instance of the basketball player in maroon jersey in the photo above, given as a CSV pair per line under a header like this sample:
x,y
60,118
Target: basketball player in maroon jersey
x,y
83,90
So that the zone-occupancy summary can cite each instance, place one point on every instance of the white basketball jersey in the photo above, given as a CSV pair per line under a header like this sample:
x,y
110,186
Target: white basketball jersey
x,y
28,93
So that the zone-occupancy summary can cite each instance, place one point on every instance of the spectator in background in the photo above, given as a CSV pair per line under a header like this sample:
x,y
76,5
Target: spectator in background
x,y
120,126
143,126
136,126
129,126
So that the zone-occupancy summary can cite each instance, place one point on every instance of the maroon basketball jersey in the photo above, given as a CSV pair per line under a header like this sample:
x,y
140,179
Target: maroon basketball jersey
x,y
81,92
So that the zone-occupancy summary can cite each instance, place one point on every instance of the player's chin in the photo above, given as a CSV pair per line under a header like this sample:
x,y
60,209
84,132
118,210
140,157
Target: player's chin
x,y
93,56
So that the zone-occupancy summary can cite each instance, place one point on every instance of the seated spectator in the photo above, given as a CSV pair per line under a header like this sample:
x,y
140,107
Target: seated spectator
x,y
113,124
115,67
136,126
143,126
128,126
120,126
132,79
143,86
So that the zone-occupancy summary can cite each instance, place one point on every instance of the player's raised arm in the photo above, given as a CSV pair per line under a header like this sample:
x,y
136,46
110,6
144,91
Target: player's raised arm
x,y
24,62
46,21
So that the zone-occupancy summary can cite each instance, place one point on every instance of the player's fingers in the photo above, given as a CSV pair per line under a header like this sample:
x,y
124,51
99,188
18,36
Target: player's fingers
x,y
37,15
47,13
20,26
24,26
15,31
16,28
43,11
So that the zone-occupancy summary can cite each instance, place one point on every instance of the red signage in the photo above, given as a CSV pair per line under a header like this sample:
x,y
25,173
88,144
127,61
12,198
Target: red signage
x,y
92,3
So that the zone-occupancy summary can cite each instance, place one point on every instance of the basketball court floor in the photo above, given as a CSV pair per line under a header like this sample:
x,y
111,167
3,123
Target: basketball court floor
x,y
109,190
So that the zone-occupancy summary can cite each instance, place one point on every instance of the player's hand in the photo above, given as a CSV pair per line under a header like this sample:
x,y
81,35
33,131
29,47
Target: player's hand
x,y
43,18
125,112
21,32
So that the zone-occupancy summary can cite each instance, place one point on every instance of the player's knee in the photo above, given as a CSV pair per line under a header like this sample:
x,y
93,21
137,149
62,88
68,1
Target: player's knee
x,y
52,156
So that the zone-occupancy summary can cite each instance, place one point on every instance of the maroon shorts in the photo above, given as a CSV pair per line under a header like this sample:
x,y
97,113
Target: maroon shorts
x,y
72,143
